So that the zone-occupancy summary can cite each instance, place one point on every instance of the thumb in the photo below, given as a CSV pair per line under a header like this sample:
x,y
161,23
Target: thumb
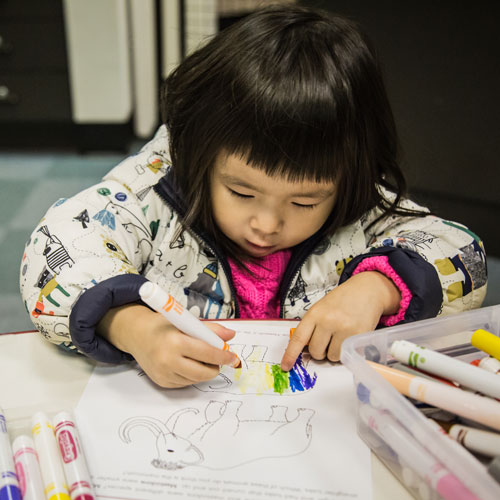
x,y
223,332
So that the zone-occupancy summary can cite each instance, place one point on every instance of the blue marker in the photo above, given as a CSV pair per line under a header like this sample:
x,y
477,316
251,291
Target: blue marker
x,y
9,485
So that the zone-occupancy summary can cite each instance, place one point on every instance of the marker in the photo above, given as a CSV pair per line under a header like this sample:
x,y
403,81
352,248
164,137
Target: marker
x,y
494,469
162,302
447,367
74,463
420,373
490,364
484,442
28,468
468,462
54,481
372,353
411,452
457,447
9,483
478,408
487,342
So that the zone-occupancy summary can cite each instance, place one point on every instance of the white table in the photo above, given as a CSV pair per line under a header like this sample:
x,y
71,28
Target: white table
x,y
37,376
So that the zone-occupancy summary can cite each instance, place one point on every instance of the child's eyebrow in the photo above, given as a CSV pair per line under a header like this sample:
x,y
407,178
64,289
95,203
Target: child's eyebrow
x,y
231,179
314,193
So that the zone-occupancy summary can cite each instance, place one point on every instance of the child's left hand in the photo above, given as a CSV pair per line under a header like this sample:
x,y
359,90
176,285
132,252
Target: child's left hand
x,y
353,307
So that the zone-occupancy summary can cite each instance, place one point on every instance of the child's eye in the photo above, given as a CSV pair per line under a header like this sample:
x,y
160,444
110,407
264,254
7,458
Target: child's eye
x,y
240,195
300,205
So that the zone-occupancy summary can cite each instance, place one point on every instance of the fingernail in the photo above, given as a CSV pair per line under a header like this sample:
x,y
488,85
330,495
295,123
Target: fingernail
x,y
236,362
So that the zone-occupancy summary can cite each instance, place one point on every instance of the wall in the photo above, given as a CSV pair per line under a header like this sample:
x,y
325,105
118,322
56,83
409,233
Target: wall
x,y
442,66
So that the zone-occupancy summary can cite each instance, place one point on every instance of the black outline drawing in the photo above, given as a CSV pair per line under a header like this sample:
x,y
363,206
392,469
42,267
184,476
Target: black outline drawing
x,y
219,426
254,358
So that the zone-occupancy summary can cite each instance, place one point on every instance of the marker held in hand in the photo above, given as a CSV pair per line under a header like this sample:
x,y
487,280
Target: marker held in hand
x,y
159,300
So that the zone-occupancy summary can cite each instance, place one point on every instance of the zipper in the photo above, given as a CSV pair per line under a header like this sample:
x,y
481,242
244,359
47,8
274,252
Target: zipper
x,y
294,267
223,261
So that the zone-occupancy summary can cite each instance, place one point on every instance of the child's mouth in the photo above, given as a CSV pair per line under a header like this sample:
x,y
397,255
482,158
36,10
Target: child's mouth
x,y
259,250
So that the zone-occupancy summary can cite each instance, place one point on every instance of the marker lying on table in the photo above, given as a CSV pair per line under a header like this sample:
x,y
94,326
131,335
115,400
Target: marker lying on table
x,y
9,484
447,367
53,477
28,468
478,408
159,300
74,463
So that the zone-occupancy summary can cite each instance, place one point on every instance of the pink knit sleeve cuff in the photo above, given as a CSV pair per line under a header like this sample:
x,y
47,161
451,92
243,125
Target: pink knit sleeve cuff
x,y
381,264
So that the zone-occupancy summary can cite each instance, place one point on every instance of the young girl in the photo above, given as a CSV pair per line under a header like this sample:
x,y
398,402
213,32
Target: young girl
x,y
271,191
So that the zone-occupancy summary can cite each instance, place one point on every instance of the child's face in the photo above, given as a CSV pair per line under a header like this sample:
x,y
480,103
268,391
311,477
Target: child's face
x,y
264,214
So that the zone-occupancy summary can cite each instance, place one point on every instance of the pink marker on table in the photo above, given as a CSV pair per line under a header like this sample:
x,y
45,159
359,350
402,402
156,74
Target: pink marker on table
x,y
74,463
28,468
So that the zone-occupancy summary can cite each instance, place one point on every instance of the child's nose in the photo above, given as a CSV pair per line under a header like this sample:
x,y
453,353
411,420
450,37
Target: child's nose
x,y
266,223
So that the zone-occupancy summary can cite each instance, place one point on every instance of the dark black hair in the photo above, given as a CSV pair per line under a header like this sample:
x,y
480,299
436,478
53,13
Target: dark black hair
x,y
296,92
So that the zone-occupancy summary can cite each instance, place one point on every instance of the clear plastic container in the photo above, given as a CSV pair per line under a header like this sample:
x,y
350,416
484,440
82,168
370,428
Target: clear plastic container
x,y
401,435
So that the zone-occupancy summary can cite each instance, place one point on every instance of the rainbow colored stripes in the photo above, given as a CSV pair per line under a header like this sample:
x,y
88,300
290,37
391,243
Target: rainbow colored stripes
x,y
297,379
265,378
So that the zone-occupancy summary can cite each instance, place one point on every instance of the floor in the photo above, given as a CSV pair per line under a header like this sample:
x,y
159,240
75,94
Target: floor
x,y
31,182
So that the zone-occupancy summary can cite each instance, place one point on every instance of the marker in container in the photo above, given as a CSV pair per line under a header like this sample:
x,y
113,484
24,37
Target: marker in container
x,y
484,442
487,342
494,469
162,302
54,481
419,373
411,452
74,464
9,484
447,367
28,468
478,408
468,462
490,364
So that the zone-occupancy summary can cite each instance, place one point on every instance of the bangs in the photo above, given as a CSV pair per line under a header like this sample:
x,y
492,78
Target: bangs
x,y
283,136
283,100
286,113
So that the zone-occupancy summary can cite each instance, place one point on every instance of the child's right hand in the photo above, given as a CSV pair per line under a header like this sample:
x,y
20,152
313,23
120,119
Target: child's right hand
x,y
169,357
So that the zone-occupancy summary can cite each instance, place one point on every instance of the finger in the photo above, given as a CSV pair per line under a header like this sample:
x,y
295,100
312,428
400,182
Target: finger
x,y
336,346
196,371
223,332
172,381
319,342
201,351
299,339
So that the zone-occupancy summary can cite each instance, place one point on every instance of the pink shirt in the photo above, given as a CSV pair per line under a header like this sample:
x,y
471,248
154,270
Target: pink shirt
x,y
258,295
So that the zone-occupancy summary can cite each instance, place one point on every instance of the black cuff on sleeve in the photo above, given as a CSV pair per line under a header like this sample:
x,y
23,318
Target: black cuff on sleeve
x,y
418,275
92,305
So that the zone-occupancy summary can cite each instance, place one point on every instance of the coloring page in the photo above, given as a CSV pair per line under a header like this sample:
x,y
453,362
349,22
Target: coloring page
x,y
252,432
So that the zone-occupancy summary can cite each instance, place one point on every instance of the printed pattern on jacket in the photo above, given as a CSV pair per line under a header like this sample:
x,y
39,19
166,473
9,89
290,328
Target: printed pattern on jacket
x,y
122,226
